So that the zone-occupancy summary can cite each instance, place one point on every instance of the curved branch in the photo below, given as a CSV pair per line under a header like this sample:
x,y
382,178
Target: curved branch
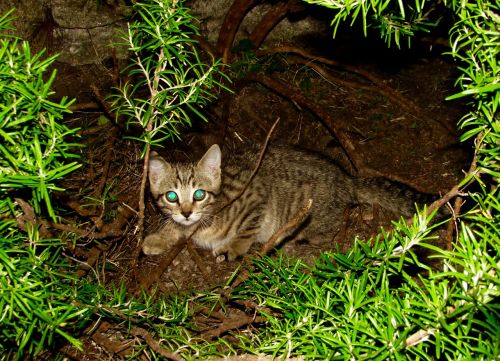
x,y
388,91
230,26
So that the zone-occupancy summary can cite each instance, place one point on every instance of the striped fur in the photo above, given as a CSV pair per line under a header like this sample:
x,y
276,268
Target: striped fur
x,y
285,180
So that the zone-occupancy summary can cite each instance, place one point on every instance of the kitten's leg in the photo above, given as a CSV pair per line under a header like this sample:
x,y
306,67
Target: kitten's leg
x,y
238,246
160,242
244,231
154,244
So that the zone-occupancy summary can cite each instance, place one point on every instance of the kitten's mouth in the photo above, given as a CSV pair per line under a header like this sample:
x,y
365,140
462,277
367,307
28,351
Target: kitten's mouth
x,y
193,218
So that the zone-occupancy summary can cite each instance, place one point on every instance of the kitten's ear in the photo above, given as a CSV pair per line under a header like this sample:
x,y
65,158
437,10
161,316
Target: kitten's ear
x,y
157,169
210,162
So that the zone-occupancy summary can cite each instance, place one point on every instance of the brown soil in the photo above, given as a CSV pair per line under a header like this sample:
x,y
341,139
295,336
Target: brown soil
x,y
421,153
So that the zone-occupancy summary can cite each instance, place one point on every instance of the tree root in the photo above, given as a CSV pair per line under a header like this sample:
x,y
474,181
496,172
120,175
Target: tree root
x,y
230,26
338,132
154,344
379,84
273,17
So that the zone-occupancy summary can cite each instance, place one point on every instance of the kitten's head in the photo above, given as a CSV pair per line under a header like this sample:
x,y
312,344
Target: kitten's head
x,y
186,192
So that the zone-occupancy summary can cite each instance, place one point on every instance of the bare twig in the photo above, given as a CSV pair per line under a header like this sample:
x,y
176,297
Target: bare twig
x,y
198,260
140,220
452,225
231,324
291,225
163,263
107,162
210,313
109,343
102,102
154,344
256,168
458,190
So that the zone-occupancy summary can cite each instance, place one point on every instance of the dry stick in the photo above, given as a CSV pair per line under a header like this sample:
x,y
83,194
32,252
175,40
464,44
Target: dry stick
x,y
210,313
230,324
163,263
254,172
154,344
384,88
256,307
107,163
229,27
456,190
142,206
102,102
199,262
167,258
269,21
110,344
291,225
452,225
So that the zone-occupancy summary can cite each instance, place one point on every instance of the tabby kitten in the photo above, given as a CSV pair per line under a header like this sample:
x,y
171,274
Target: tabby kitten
x,y
191,194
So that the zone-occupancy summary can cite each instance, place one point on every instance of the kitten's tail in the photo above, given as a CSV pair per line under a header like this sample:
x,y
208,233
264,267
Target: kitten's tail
x,y
395,197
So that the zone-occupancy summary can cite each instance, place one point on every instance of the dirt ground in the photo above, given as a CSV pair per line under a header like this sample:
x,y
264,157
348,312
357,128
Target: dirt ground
x,y
419,149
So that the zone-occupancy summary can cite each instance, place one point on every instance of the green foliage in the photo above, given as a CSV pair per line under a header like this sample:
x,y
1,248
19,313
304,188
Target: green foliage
x,y
475,45
35,293
380,302
395,19
169,318
169,81
33,149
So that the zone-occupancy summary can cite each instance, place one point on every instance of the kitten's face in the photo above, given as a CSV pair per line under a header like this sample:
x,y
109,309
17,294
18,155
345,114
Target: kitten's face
x,y
186,192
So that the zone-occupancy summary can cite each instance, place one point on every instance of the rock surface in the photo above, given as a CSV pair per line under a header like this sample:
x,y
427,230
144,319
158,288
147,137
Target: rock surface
x,y
83,32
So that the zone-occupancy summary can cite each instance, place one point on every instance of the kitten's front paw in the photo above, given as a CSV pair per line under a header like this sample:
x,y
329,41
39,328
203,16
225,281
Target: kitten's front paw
x,y
231,253
154,244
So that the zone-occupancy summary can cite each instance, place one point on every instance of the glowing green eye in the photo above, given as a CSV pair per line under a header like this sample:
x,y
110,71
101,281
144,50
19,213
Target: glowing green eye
x,y
171,196
199,194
